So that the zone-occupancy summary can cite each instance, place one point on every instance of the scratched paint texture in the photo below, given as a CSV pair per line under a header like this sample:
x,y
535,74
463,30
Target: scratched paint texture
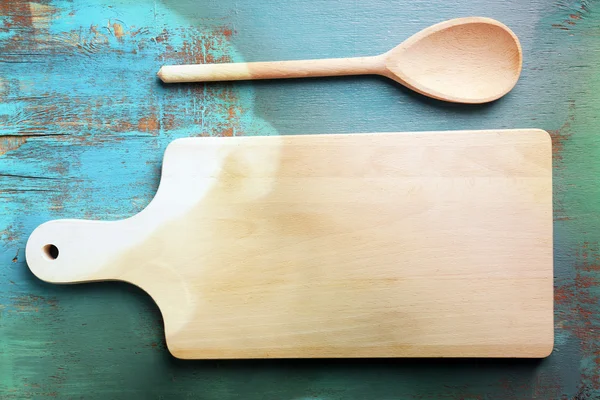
x,y
84,122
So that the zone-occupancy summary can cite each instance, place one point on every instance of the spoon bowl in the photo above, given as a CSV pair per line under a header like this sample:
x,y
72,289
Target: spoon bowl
x,y
464,60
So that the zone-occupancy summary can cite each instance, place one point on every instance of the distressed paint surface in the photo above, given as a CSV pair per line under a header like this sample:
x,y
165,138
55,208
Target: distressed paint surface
x,y
84,123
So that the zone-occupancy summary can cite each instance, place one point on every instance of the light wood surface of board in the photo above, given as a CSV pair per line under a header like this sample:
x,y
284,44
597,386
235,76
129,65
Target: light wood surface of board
x,y
434,244
463,60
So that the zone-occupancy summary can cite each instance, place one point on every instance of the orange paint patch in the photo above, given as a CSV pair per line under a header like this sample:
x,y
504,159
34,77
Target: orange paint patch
x,y
163,37
118,31
9,143
148,124
562,134
18,14
233,119
227,132
563,294
227,32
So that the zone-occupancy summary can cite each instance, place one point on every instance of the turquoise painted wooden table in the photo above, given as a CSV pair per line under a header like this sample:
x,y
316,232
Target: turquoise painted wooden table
x,y
84,122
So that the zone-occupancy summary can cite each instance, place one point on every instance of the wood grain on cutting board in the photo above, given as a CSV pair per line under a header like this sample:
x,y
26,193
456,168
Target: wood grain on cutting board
x,y
355,245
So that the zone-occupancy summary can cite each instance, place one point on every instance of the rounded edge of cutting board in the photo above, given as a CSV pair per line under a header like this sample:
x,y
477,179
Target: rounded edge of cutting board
x,y
548,142
546,350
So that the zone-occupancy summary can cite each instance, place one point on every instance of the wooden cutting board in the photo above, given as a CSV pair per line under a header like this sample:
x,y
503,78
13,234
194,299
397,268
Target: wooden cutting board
x,y
431,244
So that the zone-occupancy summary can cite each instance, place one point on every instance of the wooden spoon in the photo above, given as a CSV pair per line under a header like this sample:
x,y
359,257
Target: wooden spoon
x,y
464,60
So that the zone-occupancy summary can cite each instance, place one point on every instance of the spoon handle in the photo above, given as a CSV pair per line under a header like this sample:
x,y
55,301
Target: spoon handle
x,y
271,70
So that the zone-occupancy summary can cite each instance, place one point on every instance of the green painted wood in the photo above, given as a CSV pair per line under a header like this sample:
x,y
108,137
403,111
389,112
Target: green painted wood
x,y
84,122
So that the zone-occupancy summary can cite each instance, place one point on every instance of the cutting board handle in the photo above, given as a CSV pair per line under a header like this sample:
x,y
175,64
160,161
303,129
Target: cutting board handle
x,y
70,251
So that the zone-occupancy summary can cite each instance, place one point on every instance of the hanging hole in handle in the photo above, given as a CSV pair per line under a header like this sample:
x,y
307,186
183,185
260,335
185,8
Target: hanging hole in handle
x,y
50,251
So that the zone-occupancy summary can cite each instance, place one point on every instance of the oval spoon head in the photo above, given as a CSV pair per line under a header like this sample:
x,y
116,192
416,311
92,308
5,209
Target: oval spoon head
x,y
464,60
